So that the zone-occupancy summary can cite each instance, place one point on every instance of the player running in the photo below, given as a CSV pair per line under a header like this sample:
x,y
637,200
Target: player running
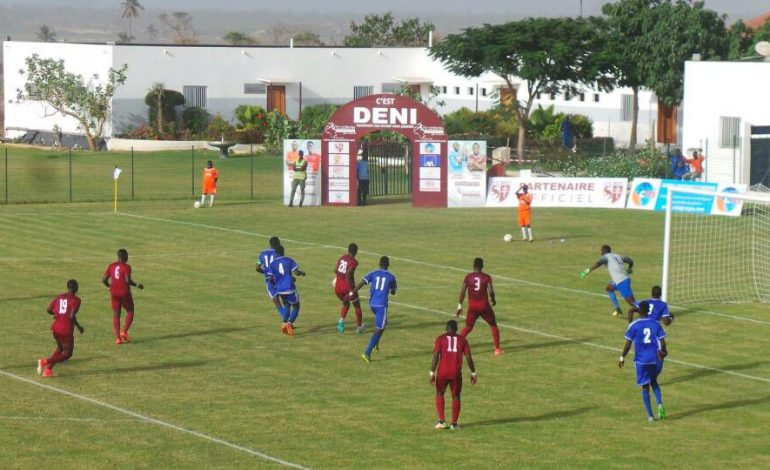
x,y
658,308
477,284
64,309
381,283
281,272
264,259
649,350
448,352
525,212
210,179
616,265
344,282
117,278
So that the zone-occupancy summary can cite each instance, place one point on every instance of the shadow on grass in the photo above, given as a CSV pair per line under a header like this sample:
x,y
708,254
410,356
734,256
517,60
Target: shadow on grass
x,y
189,334
531,419
146,368
701,373
719,406
74,360
31,297
512,345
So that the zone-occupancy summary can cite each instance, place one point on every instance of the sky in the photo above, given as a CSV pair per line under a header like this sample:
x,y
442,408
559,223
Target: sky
x,y
733,8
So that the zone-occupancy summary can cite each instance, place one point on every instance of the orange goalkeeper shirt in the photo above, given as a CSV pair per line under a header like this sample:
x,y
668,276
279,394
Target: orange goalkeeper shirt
x,y
210,176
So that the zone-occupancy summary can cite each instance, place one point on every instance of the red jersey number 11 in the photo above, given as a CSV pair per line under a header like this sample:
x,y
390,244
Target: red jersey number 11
x,y
451,344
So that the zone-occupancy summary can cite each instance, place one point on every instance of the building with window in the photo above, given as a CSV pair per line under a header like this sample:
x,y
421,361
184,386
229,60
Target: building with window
x,y
220,78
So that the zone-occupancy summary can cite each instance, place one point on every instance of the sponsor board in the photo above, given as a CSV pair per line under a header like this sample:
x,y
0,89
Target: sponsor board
x,y
467,176
652,194
311,150
559,192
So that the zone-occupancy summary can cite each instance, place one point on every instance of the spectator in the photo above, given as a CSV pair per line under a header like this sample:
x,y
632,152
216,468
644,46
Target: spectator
x,y
696,166
679,165
300,176
362,168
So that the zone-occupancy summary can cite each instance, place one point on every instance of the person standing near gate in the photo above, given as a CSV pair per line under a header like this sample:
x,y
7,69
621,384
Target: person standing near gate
x,y
300,176
362,169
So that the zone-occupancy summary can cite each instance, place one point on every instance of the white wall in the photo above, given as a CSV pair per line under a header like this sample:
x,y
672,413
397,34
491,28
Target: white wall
x,y
87,60
730,89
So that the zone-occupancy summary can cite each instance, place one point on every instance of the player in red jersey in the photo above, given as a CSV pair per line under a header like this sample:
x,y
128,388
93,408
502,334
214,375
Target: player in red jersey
x,y
64,309
118,278
448,352
344,283
477,284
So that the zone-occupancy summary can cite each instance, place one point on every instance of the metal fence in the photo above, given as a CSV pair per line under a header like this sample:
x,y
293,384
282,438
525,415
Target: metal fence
x,y
33,175
390,163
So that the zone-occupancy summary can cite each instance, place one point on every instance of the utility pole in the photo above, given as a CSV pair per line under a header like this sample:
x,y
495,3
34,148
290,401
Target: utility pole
x,y
581,8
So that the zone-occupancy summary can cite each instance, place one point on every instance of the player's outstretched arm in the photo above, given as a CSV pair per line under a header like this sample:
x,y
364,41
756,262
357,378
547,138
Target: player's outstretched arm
x,y
357,288
471,366
663,352
630,264
588,271
138,285
299,272
461,298
433,365
626,348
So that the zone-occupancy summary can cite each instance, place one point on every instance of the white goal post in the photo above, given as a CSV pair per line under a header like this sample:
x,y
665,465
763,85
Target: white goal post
x,y
717,258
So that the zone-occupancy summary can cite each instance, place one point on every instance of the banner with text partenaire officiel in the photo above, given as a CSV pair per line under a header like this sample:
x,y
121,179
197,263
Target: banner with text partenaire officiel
x,y
560,192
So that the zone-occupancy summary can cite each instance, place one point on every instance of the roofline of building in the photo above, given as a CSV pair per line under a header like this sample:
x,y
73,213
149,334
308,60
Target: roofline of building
x,y
226,46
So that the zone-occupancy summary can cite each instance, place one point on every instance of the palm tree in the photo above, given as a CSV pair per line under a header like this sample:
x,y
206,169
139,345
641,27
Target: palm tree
x,y
131,9
157,89
46,34
152,31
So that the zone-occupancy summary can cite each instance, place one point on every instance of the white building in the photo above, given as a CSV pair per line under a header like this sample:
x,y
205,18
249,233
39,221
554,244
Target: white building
x,y
727,114
219,78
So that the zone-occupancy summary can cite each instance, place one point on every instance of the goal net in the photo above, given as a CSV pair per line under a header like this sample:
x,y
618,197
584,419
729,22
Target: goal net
x,y
717,258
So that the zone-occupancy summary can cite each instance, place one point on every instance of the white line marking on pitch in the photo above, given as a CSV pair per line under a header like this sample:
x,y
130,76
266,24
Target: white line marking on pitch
x,y
150,420
79,420
423,263
588,343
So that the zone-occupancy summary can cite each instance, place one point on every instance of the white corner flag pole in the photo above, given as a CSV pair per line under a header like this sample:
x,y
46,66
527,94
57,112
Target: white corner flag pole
x,y
115,175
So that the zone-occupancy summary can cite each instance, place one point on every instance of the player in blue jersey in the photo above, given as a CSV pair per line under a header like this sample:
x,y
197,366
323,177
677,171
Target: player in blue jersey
x,y
658,308
647,335
263,262
381,284
621,282
281,272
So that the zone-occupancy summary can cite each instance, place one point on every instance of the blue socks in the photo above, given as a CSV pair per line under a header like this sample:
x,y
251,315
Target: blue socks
x,y
294,313
373,342
656,391
613,299
281,310
646,400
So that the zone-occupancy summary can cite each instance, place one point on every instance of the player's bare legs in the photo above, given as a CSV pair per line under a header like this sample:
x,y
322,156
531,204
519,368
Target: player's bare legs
x,y
126,326
62,352
116,326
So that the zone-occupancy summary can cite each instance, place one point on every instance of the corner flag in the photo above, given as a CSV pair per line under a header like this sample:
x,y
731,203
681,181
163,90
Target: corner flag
x,y
115,175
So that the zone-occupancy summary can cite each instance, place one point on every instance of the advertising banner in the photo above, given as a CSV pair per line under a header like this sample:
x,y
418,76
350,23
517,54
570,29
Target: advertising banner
x,y
467,177
311,150
430,167
560,192
653,194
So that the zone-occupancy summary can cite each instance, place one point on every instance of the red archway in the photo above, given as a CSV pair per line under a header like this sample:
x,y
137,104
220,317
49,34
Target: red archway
x,y
387,112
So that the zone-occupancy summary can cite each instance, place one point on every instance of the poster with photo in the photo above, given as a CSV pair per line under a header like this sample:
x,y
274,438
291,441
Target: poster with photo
x,y
311,151
467,176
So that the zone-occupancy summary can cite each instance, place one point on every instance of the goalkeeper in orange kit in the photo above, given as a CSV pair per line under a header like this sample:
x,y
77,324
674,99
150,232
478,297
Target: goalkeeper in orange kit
x,y
210,178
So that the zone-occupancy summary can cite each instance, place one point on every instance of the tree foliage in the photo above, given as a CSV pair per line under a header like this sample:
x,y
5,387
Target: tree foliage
x,y
179,27
158,97
88,102
307,38
540,55
382,30
235,38
46,34
130,10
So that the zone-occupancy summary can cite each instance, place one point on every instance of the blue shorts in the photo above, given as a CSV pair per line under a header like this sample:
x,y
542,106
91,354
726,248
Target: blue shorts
x,y
624,288
380,316
646,373
272,291
292,298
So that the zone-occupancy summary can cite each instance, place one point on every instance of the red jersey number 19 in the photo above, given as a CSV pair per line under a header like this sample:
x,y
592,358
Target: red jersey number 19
x,y
62,306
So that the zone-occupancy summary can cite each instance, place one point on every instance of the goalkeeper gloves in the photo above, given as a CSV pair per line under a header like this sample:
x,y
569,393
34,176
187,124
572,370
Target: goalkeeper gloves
x,y
583,274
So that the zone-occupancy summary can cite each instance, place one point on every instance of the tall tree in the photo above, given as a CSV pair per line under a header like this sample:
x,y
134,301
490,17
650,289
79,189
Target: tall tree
x,y
307,38
152,31
382,30
46,34
130,11
234,38
740,41
179,27
157,92
681,29
124,38
626,47
89,103
542,55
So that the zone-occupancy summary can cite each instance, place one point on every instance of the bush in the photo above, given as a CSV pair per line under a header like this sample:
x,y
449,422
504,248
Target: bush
x,y
647,163
171,99
278,128
251,116
313,120
219,128
582,127
195,120
143,132
465,122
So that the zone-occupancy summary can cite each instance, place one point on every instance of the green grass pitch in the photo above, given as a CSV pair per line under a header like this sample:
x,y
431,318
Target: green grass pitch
x,y
209,381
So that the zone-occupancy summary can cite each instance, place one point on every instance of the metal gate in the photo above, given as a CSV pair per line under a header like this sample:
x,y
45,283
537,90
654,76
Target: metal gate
x,y
390,166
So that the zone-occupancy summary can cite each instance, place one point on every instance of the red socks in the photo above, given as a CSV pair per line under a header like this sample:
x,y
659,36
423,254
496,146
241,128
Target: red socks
x,y
57,356
455,410
129,320
359,315
116,325
440,407
496,336
344,311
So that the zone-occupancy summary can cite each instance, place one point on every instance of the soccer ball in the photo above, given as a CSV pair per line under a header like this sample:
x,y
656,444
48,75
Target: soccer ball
x,y
508,237
197,204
